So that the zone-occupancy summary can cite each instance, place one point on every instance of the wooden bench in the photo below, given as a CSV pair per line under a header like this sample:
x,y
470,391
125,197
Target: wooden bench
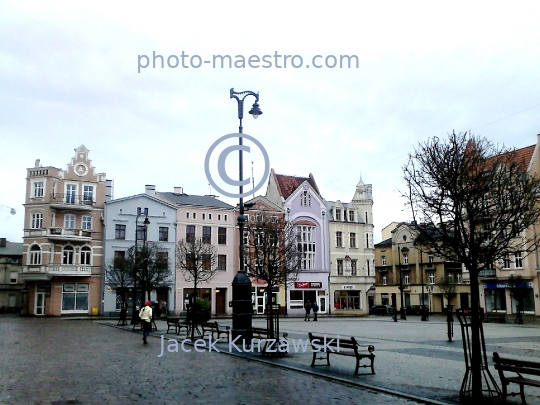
x,y
341,347
215,328
518,367
499,317
178,324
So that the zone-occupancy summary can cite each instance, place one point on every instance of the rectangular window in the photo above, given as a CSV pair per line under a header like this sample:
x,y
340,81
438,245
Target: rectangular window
x,y
338,215
407,279
339,239
383,260
206,262
37,221
351,216
219,217
506,261
210,217
142,232
71,190
519,260
352,239
259,238
206,234
222,236
222,263
430,258
367,240
67,256
353,267
190,233
368,268
75,297
13,277
246,238
405,258
163,259
366,217
88,193
69,221
38,189
431,278
203,216
384,280
119,231
225,217
339,267
187,215
163,234
87,222
459,278
194,215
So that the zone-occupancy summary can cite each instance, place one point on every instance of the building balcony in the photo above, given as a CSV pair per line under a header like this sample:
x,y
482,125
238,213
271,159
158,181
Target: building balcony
x,y
74,235
71,202
47,271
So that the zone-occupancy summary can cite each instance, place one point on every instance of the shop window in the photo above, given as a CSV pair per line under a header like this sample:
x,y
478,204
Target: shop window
x,y
75,297
346,299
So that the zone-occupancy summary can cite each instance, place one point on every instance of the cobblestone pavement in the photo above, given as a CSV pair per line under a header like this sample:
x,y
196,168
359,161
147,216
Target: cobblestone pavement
x,y
60,362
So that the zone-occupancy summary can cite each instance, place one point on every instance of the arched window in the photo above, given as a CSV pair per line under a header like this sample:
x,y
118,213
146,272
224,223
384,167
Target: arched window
x,y
67,257
86,255
35,254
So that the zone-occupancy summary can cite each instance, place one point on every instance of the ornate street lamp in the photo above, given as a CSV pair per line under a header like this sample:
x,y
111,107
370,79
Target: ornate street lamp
x,y
241,285
146,222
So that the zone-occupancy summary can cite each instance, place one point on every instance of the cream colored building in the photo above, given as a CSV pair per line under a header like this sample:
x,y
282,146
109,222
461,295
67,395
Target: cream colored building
x,y
63,238
352,257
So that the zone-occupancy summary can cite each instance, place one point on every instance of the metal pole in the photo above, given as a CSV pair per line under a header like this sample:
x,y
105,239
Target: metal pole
x,y
134,314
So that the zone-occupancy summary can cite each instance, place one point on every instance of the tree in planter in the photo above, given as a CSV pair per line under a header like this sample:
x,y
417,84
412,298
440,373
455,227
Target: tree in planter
x,y
197,261
271,254
474,199
515,285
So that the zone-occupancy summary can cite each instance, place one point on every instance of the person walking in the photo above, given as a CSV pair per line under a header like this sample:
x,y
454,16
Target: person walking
x,y
315,310
146,320
307,307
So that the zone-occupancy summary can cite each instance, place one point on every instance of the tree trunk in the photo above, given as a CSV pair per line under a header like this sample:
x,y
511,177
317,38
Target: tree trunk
x,y
476,348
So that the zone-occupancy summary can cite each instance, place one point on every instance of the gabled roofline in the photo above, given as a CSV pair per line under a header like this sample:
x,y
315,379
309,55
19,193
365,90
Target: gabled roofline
x,y
141,195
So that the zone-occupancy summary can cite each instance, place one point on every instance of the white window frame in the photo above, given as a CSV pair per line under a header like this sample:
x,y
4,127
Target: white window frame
x,y
339,266
431,277
339,239
352,239
384,282
351,216
518,260
37,220
34,255
338,214
38,189
88,192
68,255
71,194
306,246
405,258
86,256
383,260
69,219
407,278
86,222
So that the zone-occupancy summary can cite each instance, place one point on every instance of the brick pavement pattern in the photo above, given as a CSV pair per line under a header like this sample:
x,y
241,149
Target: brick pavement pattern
x,y
61,362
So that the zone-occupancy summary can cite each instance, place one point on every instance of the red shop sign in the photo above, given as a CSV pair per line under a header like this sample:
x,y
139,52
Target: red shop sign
x,y
308,284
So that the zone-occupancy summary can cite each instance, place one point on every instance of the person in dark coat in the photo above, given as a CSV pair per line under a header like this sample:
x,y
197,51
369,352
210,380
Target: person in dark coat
x,y
315,310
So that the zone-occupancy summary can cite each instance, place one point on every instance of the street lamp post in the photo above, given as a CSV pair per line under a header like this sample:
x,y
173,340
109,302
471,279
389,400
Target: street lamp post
x,y
135,261
241,285
403,250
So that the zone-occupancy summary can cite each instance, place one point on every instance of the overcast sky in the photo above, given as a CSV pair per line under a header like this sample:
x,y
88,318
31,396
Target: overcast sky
x,y
69,76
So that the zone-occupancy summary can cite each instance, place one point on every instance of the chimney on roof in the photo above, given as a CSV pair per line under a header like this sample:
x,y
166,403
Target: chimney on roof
x,y
2,242
150,189
109,185
179,190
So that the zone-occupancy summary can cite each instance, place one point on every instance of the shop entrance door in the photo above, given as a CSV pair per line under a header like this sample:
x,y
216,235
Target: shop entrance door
x,y
40,303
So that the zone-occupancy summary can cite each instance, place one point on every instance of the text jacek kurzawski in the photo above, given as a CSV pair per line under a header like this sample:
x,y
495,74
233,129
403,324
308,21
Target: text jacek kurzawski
x,y
255,345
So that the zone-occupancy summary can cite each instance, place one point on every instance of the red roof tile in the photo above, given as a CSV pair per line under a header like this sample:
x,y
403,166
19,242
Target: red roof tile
x,y
288,184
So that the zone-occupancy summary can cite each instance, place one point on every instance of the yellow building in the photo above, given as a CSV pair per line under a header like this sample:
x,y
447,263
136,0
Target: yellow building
x,y
403,268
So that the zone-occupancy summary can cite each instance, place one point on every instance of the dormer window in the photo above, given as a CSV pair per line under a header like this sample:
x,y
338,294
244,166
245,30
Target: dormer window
x,y
338,214
351,216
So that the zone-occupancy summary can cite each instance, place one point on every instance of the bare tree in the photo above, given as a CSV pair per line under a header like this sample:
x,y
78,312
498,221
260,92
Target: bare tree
x,y
197,261
476,201
271,255
119,276
153,268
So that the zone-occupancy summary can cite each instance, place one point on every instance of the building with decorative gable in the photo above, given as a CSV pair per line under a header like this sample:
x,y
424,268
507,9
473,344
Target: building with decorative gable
x,y
304,206
63,237
352,257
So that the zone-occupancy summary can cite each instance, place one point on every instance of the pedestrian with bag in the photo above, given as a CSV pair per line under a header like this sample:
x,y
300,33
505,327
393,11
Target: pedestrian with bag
x,y
145,314
315,310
